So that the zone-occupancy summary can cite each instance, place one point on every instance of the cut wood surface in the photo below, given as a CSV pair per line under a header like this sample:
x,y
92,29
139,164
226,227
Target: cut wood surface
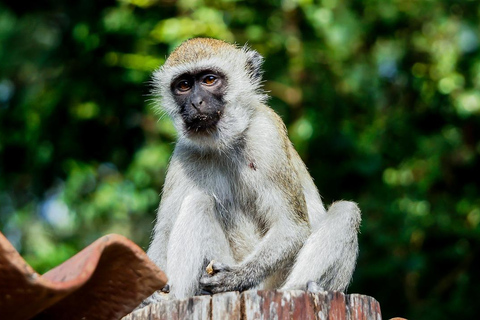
x,y
264,304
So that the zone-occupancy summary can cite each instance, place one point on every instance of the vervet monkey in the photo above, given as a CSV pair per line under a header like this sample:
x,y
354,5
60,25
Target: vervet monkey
x,y
236,191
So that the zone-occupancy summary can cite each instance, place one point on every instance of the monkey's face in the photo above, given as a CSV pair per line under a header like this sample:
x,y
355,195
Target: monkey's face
x,y
200,98
210,89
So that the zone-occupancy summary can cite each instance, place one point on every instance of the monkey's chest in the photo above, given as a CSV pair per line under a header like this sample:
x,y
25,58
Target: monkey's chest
x,y
234,188
238,214
237,209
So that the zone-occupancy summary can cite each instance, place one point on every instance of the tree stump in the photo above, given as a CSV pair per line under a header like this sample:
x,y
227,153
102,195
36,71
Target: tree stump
x,y
264,304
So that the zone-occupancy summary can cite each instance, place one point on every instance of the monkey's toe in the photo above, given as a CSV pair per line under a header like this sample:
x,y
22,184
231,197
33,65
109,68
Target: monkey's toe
x,y
166,289
314,287
204,292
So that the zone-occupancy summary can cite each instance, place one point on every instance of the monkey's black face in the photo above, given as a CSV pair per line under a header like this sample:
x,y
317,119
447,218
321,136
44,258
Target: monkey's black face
x,y
200,97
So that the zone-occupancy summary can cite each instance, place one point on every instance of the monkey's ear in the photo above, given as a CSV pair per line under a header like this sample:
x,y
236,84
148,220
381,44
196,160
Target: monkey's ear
x,y
254,64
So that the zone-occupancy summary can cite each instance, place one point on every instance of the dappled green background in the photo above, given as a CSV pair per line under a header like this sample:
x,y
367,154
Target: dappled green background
x,y
381,99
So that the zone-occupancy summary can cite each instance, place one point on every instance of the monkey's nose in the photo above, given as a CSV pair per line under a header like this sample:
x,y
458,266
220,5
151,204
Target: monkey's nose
x,y
197,104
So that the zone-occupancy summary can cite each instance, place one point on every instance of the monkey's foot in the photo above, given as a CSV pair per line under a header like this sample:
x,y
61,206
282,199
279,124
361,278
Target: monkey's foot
x,y
157,296
314,287
166,289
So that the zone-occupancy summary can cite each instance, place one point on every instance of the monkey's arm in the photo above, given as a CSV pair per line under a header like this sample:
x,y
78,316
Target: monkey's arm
x,y
278,247
187,233
166,215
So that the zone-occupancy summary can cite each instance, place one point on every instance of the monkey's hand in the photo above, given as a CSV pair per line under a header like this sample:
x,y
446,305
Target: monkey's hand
x,y
222,278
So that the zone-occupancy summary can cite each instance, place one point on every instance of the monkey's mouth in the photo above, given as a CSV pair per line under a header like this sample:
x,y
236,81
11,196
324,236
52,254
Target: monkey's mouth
x,y
202,123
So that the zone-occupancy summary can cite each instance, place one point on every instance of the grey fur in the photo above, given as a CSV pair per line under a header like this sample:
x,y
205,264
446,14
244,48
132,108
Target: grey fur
x,y
243,197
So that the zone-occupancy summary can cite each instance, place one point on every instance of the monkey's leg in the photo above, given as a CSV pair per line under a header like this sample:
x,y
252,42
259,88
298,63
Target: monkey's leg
x,y
195,239
329,255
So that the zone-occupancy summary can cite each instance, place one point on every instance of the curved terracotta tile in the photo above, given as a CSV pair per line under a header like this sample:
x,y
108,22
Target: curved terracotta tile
x,y
106,280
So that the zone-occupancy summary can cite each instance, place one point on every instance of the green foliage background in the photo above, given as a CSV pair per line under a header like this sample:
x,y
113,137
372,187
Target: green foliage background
x,y
381,99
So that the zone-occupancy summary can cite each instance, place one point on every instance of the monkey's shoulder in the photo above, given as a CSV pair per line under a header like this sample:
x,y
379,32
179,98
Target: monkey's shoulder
x,y
266,126
267,114
267,137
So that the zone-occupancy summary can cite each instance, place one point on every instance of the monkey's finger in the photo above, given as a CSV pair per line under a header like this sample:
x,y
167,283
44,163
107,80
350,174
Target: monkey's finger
x,y
204,292
209,282
206,282
219,267
211,289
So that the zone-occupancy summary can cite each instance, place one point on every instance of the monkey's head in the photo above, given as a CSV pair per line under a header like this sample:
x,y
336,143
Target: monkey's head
x,y
210,88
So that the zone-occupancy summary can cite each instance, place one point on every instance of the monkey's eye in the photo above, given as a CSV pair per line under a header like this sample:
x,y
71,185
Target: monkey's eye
x,y
209,80
184,85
